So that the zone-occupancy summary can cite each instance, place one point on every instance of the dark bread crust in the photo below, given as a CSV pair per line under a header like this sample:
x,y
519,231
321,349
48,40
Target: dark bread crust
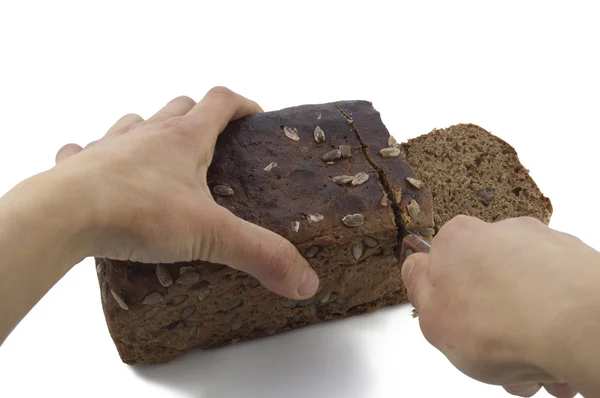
x,y
373,136
299,186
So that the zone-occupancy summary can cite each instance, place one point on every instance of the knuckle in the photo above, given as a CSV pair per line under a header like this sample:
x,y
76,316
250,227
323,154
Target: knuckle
x,y
184,100
132,117
522,221
530,220
66,151
220,91
456,226
462,220
129,122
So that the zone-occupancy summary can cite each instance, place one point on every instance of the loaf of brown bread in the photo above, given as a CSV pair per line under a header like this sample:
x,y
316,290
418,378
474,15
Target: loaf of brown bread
x,y
316,175
330,179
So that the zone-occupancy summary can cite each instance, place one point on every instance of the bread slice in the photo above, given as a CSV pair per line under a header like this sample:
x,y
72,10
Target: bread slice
x,y
472,172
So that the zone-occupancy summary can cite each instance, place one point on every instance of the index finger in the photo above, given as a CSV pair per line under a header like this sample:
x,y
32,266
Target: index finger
x,y
219,107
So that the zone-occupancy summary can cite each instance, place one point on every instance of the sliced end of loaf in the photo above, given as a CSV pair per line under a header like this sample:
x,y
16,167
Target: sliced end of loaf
x,y
472,172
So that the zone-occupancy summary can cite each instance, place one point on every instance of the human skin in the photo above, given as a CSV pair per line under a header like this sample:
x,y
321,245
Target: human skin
x,y
508,303
486,293
140,194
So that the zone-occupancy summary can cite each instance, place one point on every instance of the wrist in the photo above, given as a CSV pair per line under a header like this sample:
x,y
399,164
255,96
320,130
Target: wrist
x,y
56,204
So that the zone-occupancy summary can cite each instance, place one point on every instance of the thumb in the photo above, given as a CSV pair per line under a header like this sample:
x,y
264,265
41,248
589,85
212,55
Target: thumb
x,y
267,256
415,274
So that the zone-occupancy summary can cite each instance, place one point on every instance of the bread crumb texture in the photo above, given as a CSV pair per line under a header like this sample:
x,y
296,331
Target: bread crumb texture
x,y
472,172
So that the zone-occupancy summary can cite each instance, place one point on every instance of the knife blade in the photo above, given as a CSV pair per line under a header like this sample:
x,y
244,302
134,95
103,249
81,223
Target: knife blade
x,y
411,243
415,236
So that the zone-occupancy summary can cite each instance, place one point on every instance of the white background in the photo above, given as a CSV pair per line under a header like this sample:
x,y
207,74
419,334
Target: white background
x,y
527,71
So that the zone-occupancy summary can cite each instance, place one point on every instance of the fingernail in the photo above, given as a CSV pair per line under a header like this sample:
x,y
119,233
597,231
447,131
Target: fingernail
x,y
524,391
310,282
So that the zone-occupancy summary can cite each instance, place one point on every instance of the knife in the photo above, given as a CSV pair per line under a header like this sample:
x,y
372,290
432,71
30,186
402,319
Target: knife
x,y
411,243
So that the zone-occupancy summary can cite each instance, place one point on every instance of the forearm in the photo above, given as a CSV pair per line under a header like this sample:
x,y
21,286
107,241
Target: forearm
x,y
42,235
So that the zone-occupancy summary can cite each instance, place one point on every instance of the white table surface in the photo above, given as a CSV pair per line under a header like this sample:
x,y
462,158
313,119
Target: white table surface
x,y
527,71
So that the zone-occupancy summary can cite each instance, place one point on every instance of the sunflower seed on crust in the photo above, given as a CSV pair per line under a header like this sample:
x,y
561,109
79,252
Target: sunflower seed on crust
x,y
270,166
397,195
100,266
288,303
357,250
192,332
104,291
295,226
414,182
178,299
231,305
346,151
332,155
341,300
164,276
311,251
223,190
312,218
187,312
153,298
119,300
204,290
341,180
318,115
185,269
353,220
384,201
236,323
392,143
360,178
319,135
389,152
413,208
370,242
427,232
291,133
189,278
324,299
